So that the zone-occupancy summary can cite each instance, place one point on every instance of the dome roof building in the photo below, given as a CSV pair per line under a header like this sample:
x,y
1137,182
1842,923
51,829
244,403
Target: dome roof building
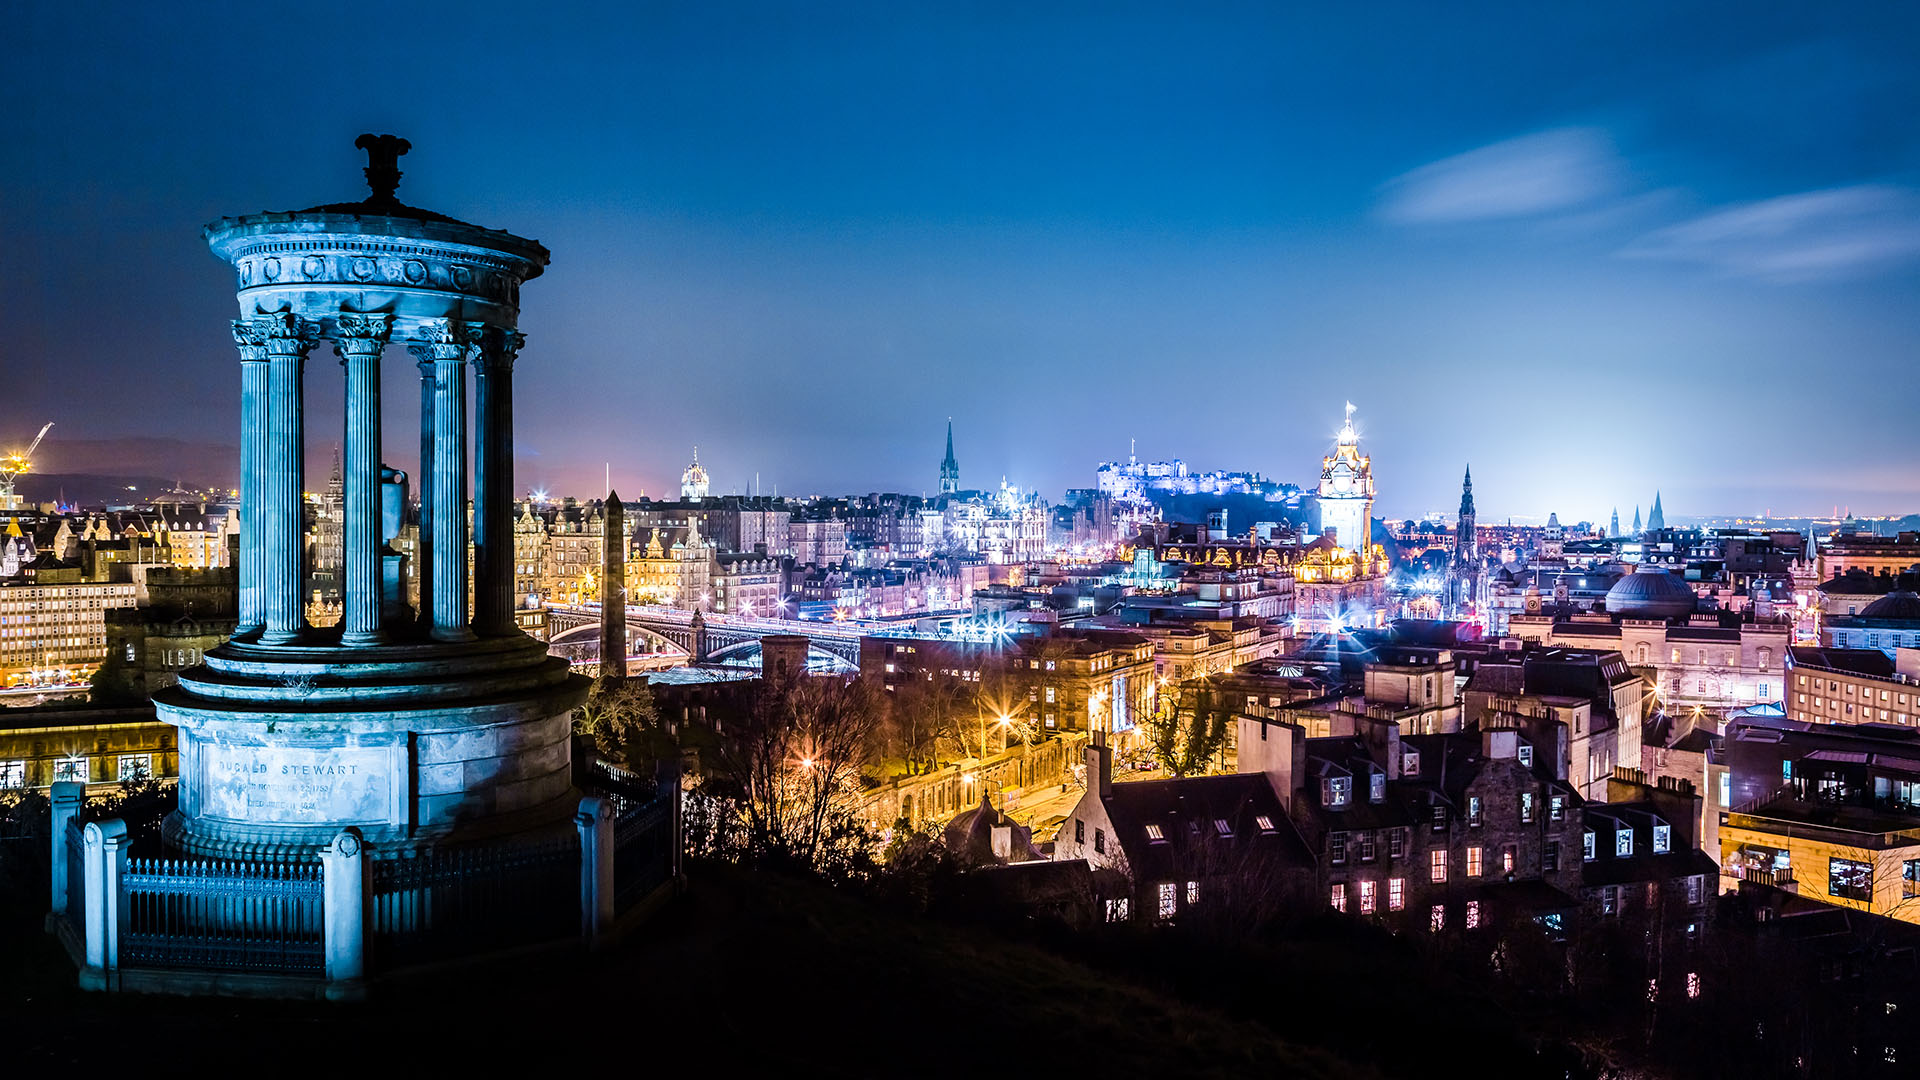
x,y
1901,604
1651,593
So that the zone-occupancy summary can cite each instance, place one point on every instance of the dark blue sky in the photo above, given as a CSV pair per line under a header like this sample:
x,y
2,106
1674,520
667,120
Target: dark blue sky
x,y
1592,250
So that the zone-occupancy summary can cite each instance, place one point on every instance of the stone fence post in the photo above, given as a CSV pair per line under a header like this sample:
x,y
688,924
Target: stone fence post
x,y
594,820
106,915
345,891
69,798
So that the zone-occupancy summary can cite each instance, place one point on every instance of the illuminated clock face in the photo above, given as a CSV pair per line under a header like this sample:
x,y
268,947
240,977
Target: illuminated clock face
x,y
1342,482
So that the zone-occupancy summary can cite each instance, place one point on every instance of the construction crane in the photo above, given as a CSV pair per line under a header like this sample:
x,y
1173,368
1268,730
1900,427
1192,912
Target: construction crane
x,y
13,465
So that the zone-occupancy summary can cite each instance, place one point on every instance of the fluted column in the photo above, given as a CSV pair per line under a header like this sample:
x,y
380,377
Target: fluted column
x,y
287,338
423,482
360,340
493,483
449,497
253,452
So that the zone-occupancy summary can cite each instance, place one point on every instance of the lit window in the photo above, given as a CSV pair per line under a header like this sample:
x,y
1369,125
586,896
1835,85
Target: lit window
x,y
1193,893
1526,808
1334,790
1155,833
1410,763
1695,886
1437,919
134,767
1367,889
1506,859
1169,900
1526,756
1586,844
1396,893
1377,787
1339,897
1622,842
1437,865
13,775
1265,823
1473,811
1662,838
1556,808
1473,914
1117,910
74,768
1220,826
1850,879
1473,862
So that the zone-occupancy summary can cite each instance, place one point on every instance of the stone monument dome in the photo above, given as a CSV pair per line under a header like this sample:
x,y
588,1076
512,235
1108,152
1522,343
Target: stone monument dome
x,y
1651,593
1901,604
419,729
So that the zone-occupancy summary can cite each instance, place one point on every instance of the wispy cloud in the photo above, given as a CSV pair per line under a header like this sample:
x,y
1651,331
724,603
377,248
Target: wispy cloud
x,y
1817,234
1546,173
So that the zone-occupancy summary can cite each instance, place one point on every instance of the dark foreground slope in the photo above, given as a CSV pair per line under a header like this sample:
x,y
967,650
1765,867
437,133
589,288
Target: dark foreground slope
x,y
744,972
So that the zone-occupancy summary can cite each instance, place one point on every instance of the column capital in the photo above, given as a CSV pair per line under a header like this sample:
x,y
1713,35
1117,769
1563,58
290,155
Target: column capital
x,y
286,334
498,350
444,340
250,341
361,335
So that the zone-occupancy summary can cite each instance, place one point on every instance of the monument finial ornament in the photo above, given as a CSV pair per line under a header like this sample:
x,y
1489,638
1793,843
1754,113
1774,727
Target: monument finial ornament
x,y
383,163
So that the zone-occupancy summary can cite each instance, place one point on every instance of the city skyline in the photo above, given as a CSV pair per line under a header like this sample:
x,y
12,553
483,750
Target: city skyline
x,y
804,243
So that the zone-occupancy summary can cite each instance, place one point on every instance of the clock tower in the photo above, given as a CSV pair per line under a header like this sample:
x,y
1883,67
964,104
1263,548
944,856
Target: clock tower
x,y
1346,492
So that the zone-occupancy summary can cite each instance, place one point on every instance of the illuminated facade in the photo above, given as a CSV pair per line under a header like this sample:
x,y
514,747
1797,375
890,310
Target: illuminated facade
x,y
693,480
1346,492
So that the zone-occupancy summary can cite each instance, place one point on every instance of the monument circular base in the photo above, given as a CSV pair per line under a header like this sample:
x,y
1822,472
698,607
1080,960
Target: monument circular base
x,y
416,746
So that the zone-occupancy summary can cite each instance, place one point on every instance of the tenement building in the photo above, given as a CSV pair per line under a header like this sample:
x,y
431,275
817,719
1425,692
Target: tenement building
x,y
1063,680
1852,686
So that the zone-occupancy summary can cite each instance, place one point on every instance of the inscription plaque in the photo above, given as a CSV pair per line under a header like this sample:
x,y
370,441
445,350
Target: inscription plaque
x,y
295,785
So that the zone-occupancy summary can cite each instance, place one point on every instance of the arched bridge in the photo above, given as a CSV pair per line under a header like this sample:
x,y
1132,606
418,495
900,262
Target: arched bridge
x,y
576,630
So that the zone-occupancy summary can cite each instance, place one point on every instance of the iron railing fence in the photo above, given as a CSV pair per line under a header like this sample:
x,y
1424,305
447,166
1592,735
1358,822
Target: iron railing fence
x,y
224,916
461,901
643,841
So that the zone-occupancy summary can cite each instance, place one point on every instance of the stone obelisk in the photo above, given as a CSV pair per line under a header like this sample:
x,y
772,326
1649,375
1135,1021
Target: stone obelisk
x,y
613,589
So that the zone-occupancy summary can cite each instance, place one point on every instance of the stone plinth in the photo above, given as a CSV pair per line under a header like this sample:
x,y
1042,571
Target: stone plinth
x,y
411,744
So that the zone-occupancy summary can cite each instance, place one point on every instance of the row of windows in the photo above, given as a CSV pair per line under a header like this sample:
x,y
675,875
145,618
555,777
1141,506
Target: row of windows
x,y
1368,893
1623,842
13,774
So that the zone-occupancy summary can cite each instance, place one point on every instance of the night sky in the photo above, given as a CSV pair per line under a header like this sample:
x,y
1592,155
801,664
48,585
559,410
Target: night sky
x,y
1594,251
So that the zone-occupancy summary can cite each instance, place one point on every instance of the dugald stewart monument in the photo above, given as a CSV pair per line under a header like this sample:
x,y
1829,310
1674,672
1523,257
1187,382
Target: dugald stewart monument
x,y
400,788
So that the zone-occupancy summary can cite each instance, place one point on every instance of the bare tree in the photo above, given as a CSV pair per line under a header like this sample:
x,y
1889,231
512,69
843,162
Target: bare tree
x,y
617,715
796,762
919,714
1188,728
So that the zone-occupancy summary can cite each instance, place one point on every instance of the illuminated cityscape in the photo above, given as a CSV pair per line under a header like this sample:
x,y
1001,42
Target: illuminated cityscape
x,y
1470,616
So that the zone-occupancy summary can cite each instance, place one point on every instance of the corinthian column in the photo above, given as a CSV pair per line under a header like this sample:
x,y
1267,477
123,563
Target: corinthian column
x,y
493,483
449,496
423,548
360,340
287,338
253,452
